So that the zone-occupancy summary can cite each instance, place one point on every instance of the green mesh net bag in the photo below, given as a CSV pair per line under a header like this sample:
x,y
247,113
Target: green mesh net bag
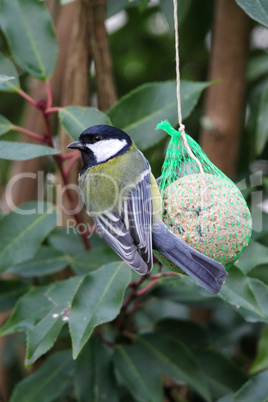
x,y
201,205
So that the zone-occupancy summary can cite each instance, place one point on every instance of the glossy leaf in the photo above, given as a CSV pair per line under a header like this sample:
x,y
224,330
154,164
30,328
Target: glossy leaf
x,y
262,124
261,361
94,377
256,9
76,119
5,125
222,374
166,7
157,101
90,260
46,261
43,335
66,241
255,254
140,376
239,293
31,39
189,332
256,389
48,382
5,78
175,360
8,68
29,310
10,291
258,67
20,151
113,7
97,301
23,231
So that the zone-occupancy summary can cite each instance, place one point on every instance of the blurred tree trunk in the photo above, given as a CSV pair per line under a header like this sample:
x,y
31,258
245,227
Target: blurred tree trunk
x,y
225,101
100,49
89,43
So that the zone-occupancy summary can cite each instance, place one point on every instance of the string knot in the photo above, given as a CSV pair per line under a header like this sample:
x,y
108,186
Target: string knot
x,y
182,128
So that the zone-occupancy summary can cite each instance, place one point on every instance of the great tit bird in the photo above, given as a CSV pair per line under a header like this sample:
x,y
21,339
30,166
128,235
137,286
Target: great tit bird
x,y
122,197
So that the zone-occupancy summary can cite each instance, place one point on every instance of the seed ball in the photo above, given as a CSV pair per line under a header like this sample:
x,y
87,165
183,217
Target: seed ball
x,y
210,214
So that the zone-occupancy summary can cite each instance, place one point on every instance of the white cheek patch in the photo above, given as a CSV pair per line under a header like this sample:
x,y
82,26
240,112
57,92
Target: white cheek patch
x,y
106,149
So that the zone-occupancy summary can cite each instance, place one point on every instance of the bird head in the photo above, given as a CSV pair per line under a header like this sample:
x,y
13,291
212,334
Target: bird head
x,y
100,143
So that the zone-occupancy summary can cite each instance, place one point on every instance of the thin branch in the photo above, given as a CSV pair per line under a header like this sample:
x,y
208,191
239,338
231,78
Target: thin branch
x,y
59,162
29,133
147,287
27,97
70,155
53,109
70,164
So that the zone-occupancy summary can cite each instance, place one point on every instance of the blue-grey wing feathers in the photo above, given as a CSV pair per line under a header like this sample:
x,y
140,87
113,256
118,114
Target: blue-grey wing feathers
x,y
209,273
130,233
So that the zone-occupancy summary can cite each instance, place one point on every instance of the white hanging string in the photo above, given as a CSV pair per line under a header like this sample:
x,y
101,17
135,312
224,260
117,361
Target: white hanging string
x,y
181,126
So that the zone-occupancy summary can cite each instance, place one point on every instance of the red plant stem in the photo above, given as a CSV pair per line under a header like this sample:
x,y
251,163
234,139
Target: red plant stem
x,y
70,164
49,95
148,287
53,109
29,133
65,180
162,275
70,155
46,109
27,97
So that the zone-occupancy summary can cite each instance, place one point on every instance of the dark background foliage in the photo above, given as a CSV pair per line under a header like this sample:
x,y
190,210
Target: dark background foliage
x,y
77,324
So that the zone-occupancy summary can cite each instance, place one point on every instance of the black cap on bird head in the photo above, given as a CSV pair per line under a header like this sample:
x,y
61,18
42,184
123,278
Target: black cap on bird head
x,y
100,143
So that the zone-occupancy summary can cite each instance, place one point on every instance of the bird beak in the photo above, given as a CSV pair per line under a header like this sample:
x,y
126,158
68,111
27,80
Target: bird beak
x,y
76,145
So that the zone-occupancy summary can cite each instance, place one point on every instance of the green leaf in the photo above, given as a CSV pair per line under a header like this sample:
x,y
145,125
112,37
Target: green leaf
x,y
166,7
29,310
20,151
46,261
47,383
63,2
113,7
256,389
93,259
98,300
222,374
67,241
261,361
239,293
174,359
156,101
261,273
10,291
255,254
5,78
22,232
189,332
262,123
76,119
94,378
5,125
256,9
8,68
141,377
43,335
31,39
258,67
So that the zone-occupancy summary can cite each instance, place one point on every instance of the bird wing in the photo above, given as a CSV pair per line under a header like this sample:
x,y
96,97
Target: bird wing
x,y
130,233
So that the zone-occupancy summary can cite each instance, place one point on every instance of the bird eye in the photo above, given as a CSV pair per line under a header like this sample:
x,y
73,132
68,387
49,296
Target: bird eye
x,y
97,138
